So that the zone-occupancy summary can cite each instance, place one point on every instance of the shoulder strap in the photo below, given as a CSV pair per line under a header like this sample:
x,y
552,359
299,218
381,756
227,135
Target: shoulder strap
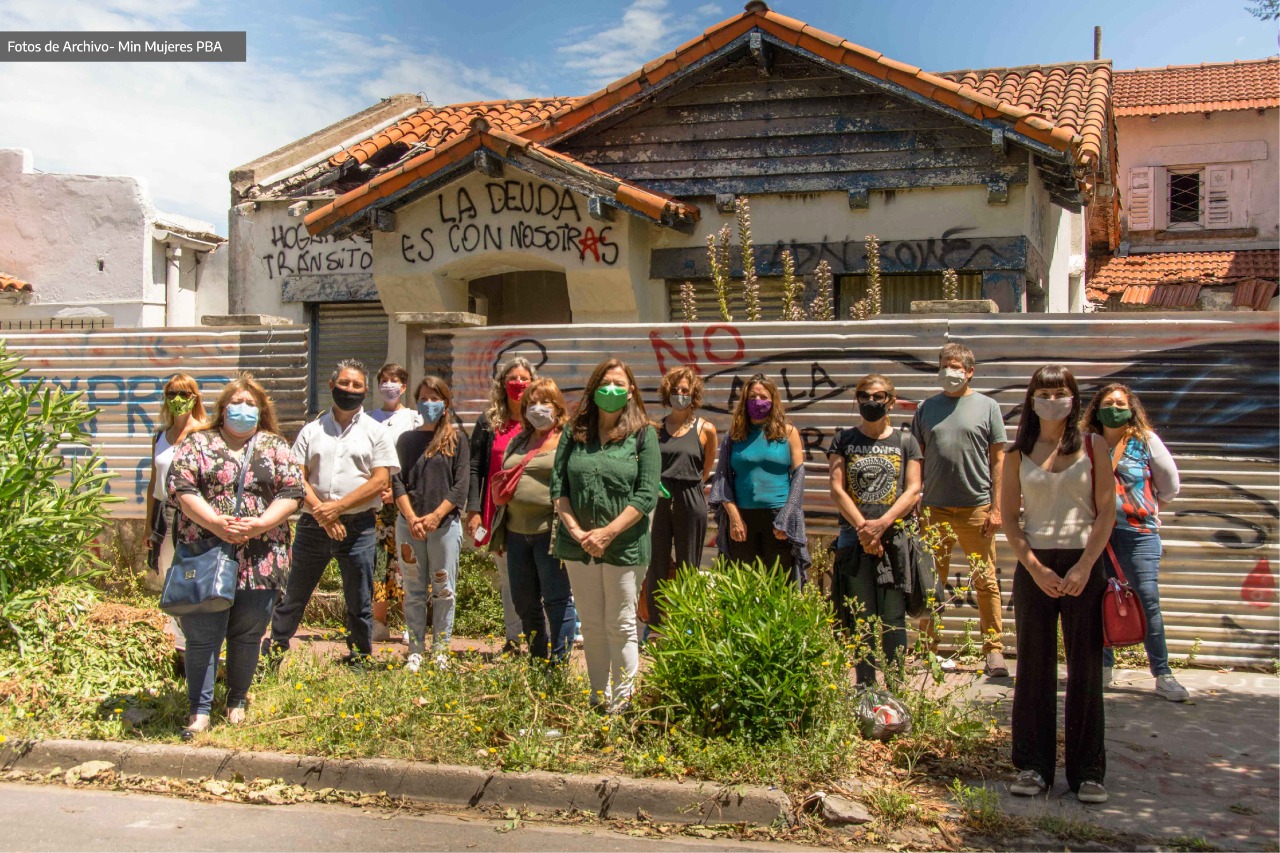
x,y
244,471
1093,484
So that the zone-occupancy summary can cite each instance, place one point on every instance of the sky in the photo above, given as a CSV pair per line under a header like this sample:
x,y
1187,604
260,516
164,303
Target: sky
x,y
181,127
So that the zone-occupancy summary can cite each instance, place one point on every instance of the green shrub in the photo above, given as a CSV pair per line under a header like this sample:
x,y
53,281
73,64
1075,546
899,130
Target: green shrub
x,y
744,652
53,488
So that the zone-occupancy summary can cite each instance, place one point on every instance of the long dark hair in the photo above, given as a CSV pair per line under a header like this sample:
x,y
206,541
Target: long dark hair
x,y
586,421
1049,376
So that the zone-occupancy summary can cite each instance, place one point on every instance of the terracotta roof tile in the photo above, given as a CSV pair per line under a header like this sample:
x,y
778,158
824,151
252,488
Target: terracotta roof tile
x,y
434,126
1241,85
9,284
657,206
1112,276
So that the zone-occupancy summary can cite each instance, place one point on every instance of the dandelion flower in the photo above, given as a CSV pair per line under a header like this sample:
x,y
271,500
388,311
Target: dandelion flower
x,y
492,750
662,759
119,710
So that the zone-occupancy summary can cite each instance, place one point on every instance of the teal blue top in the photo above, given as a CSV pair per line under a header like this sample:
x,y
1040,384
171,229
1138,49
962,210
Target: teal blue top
x,y
761,471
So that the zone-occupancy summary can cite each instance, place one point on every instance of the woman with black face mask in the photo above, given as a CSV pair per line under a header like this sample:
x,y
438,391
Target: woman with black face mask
x,y
875,478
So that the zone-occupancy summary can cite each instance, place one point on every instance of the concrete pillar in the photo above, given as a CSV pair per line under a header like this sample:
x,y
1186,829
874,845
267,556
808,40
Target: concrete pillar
x,y
417,329
172,278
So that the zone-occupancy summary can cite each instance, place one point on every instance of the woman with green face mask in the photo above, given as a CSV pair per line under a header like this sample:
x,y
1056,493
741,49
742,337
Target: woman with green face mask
x,y
1146,480
604,486
181,413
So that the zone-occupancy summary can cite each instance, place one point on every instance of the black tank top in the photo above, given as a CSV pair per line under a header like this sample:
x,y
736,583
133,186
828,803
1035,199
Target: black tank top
x,y
682,456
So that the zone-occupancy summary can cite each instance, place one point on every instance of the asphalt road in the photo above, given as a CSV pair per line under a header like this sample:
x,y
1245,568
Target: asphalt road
x,y
38,817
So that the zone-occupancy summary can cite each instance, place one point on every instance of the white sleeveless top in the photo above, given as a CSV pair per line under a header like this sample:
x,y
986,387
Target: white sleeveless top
x,y
162,459
1057,509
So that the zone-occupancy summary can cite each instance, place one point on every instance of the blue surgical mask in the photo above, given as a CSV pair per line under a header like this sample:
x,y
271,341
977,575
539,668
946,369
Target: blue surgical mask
x,y
241,418
431,410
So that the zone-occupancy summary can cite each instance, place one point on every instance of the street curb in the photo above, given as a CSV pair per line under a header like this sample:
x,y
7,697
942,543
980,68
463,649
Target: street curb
x,y
607,796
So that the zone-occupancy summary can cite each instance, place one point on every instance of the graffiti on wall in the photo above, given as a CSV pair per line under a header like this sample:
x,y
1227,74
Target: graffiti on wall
x,y
507,215
1225,443
294,252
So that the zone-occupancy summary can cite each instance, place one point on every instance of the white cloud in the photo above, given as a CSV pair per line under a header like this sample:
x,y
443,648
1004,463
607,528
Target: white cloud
x,y
646,30
182,127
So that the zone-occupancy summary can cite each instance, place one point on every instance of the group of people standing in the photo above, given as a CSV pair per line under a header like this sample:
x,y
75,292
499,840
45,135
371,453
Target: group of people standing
x,y
589,510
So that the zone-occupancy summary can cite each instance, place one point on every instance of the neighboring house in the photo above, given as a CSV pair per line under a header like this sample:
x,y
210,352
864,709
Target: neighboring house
x,y
597,209
97,253
1199,167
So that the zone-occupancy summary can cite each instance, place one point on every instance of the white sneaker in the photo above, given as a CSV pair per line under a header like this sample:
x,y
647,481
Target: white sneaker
x,y
414,662
1091,792
1028,784
1106,677
1168,687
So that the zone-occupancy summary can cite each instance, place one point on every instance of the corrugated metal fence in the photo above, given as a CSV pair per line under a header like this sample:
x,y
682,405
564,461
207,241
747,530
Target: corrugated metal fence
x,y
1211,383
123,372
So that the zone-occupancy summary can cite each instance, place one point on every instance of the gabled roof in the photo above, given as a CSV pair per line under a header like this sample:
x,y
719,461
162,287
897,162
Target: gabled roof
x,y
9,284
1208,87
436,125
960,97
462,154
1116,275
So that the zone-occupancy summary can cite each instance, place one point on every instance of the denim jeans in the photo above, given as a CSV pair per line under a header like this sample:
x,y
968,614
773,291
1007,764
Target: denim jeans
x,y
429,562
540,590
312,550
242,626
1139,554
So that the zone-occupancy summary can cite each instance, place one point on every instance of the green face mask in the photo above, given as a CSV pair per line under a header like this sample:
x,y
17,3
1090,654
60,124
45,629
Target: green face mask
x,y
611,398
179,406
1113,417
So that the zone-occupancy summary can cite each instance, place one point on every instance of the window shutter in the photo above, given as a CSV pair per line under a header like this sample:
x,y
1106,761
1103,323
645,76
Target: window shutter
x,y
1227,195
1141,199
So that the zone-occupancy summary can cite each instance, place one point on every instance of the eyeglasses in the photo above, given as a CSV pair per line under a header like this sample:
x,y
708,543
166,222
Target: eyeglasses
x,y
178,395
878,397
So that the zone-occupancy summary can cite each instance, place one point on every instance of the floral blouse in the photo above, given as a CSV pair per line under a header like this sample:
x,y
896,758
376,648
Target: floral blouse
x,y
204,465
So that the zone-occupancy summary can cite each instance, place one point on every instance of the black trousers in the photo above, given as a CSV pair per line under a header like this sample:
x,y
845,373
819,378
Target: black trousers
x,y
679,521
1035,693
760,543
859,595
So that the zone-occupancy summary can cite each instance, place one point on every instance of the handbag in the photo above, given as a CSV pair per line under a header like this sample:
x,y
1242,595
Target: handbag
x,y
926,595
203,576
1124,622
503,487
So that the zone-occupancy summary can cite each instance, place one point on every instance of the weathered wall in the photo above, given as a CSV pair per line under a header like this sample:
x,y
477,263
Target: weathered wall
x,y
276,267
1210,141
123,373
1211,385
82,240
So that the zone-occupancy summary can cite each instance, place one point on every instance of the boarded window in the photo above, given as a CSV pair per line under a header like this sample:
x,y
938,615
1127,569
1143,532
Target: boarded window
x,y
898,291
709,304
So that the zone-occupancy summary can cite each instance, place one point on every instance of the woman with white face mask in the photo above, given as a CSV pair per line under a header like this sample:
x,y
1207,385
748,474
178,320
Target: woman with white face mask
x,y
393,381
241,444
539,581
430,490
1063,491
688,445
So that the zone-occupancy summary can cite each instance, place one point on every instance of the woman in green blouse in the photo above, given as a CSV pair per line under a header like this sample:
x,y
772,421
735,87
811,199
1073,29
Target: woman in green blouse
x,y
604,486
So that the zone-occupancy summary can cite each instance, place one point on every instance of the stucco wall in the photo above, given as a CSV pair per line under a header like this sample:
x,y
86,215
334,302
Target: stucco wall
x,y
81,240
1137,136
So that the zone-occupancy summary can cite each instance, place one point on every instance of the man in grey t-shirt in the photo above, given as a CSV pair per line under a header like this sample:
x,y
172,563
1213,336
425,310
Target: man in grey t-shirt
x,y
962,435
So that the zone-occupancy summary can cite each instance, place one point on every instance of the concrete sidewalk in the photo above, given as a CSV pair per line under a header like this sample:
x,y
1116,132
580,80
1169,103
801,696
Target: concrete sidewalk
x,y
1208,768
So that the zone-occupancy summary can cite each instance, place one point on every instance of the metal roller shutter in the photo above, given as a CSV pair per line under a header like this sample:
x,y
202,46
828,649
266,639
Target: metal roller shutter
x,y
709,304
345,330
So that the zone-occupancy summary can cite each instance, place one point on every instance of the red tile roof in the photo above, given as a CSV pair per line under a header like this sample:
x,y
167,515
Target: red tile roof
x,y
9,284
436,125
656,206
1117,276
1242,85
1083,140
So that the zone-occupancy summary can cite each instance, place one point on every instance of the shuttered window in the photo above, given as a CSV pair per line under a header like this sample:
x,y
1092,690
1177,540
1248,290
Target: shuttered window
x,y
1141,201
709,304
345,330
898,291
1188,197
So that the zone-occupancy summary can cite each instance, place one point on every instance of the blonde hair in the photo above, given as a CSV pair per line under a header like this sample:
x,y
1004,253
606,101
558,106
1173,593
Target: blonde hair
x,y
266,409
182,382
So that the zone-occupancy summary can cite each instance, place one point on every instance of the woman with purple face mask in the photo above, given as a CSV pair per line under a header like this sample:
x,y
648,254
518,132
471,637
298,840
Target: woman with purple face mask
x,y
760,483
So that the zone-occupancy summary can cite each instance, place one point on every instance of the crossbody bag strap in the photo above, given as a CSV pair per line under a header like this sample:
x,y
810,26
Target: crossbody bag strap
x,y
1110,552
244,472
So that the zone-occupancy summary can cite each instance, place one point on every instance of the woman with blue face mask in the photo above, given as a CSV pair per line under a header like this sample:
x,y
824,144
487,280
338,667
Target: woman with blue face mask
x,y
430,492
241,445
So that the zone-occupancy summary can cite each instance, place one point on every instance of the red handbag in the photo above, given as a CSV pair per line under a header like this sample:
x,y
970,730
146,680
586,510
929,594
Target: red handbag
x,y
503,487
1124,622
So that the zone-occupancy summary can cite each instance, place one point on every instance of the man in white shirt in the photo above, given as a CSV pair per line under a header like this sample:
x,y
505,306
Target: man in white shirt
x,y
347,460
